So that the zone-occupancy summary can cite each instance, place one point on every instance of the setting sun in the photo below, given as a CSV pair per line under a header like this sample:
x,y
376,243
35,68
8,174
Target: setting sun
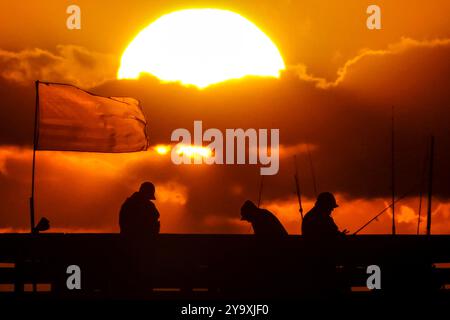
x,y
201,47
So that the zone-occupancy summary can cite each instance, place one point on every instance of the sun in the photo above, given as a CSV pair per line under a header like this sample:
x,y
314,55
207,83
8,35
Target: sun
x,y
201,47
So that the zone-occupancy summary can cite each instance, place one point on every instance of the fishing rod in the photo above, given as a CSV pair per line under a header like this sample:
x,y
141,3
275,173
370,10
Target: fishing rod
x,y
311,166
385,209
260,190
297,188
430,185
422,182
393,168
429,157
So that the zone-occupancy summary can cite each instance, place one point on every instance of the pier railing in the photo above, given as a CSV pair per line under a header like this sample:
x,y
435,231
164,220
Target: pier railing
x,y
176,266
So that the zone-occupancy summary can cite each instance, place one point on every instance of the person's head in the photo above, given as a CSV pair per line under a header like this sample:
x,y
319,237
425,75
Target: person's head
x,y
147,190
326,202
248,210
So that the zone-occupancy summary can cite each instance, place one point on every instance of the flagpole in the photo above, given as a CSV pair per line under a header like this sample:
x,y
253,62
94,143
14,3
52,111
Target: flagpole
x,y
36,115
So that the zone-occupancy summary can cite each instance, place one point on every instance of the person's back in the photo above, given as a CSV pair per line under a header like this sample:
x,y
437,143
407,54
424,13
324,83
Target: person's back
x,y
264,222
318,223
138,215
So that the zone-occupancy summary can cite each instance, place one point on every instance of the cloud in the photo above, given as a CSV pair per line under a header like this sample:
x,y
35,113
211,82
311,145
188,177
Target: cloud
x,y
82,192
9,153
68,64
398,48
352,214
346,126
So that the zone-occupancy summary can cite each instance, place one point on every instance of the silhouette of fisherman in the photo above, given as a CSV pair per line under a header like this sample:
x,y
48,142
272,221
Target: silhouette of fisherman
x,y
269,232
321,234
318,223
263,221
139,217
139,226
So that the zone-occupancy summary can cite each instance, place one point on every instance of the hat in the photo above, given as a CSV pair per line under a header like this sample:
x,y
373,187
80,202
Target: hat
x,y
327,199
246,208
148,188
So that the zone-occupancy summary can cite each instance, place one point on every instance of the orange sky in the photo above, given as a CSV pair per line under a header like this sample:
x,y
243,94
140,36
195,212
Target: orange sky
x,y
320,34
336,94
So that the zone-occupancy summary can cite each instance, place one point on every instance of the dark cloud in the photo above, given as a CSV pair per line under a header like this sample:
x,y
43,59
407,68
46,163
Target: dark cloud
x,y
68,63
349,121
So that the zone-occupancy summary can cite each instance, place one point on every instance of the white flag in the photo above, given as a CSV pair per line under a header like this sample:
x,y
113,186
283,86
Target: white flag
x,y
70,119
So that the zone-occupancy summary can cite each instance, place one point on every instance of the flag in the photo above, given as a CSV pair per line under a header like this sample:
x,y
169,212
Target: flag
x,y
71,119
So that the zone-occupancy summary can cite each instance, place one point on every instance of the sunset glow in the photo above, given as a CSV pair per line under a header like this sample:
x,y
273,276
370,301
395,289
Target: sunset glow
x,y
193,151
201,47
288,66
281,155
162,149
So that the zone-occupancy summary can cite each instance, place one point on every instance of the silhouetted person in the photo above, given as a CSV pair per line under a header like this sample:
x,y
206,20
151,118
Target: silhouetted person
x,y
263,221
139,225
269,230
318,223
321,234
138,215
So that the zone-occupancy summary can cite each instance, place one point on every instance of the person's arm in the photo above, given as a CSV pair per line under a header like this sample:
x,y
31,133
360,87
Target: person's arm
x,y
331,229
342,233
155,216
154,211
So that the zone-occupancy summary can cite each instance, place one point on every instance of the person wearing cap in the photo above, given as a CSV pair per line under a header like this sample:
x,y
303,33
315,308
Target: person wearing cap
x,y
322,234
263,221
138,215
318,223
139,226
